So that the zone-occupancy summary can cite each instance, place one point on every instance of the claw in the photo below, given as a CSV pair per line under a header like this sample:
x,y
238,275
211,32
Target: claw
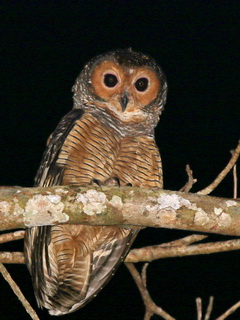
x,y
96,182
128,184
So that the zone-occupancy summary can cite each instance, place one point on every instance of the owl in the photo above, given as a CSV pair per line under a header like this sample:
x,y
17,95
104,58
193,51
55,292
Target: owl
x,y
106,139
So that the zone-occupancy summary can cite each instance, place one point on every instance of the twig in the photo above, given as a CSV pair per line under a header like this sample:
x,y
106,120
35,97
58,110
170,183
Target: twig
x,y
18,292
151,307
11,236
148,315
209,308
199,308
235,181
188,186
229,311
185,241
223,173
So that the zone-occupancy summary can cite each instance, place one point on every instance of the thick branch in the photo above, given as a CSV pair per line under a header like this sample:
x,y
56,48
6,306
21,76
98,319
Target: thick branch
x,y
26,207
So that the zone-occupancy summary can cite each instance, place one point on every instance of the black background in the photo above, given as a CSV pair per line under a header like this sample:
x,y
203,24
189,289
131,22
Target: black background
x,y
44,46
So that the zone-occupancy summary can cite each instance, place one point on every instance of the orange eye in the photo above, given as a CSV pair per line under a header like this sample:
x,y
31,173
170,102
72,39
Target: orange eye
x,y
142,84
110,80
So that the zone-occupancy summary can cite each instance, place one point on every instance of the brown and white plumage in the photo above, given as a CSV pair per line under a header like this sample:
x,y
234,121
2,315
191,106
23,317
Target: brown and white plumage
x,y
108,135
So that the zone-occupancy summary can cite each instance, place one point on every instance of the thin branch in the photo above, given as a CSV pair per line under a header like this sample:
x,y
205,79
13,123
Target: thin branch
x,y
149,304
223,173
188,186
185,241
209,308
144,274
229,311
18,292
12,236
235,185
151,253
12,257
199,308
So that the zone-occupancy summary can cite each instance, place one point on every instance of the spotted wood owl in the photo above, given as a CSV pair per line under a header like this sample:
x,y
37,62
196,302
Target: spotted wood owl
x,y
107,137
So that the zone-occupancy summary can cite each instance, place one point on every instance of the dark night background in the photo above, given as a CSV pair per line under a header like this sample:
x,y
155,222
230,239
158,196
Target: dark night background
x,y
44,46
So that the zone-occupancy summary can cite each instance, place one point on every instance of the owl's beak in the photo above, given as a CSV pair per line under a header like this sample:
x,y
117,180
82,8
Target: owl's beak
x,y
124,101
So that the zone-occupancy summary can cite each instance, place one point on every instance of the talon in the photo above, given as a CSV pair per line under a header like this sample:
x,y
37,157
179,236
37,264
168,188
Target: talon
x,y
96,182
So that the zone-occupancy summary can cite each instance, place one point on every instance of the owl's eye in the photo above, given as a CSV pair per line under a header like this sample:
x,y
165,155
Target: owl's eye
x,y
110,80
141,84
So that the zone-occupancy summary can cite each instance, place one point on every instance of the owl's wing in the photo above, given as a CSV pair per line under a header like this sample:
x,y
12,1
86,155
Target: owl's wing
x,y
37,239
49,172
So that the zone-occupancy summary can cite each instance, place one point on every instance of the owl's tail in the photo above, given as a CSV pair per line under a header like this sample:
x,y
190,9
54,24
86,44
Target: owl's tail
x,y
60,268
70,264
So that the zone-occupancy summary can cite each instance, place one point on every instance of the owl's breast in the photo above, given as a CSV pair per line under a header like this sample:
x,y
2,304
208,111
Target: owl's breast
x,y
94,150
89,151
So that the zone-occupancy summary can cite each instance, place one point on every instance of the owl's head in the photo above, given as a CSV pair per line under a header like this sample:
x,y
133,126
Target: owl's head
x,y
127,85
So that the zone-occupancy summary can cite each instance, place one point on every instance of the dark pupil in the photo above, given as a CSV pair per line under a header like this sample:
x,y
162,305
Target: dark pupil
x,y
110,80
141,84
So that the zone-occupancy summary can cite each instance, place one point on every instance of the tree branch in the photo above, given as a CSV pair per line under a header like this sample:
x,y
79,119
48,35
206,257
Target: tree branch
x,y
12,236
18,292
229,311
26,207
151,253
177,248
151,307
12,257
223,173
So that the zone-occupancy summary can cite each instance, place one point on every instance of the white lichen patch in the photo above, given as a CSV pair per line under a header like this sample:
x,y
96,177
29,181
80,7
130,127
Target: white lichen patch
x,y
165,209
40,210
116,202
5,208
231,203
224,220
61,190
54,198
218,211
94,202
173,201
201,218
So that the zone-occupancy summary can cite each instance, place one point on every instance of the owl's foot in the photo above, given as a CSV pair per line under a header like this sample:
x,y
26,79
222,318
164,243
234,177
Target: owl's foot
x,y
96,183
128,184
112,182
